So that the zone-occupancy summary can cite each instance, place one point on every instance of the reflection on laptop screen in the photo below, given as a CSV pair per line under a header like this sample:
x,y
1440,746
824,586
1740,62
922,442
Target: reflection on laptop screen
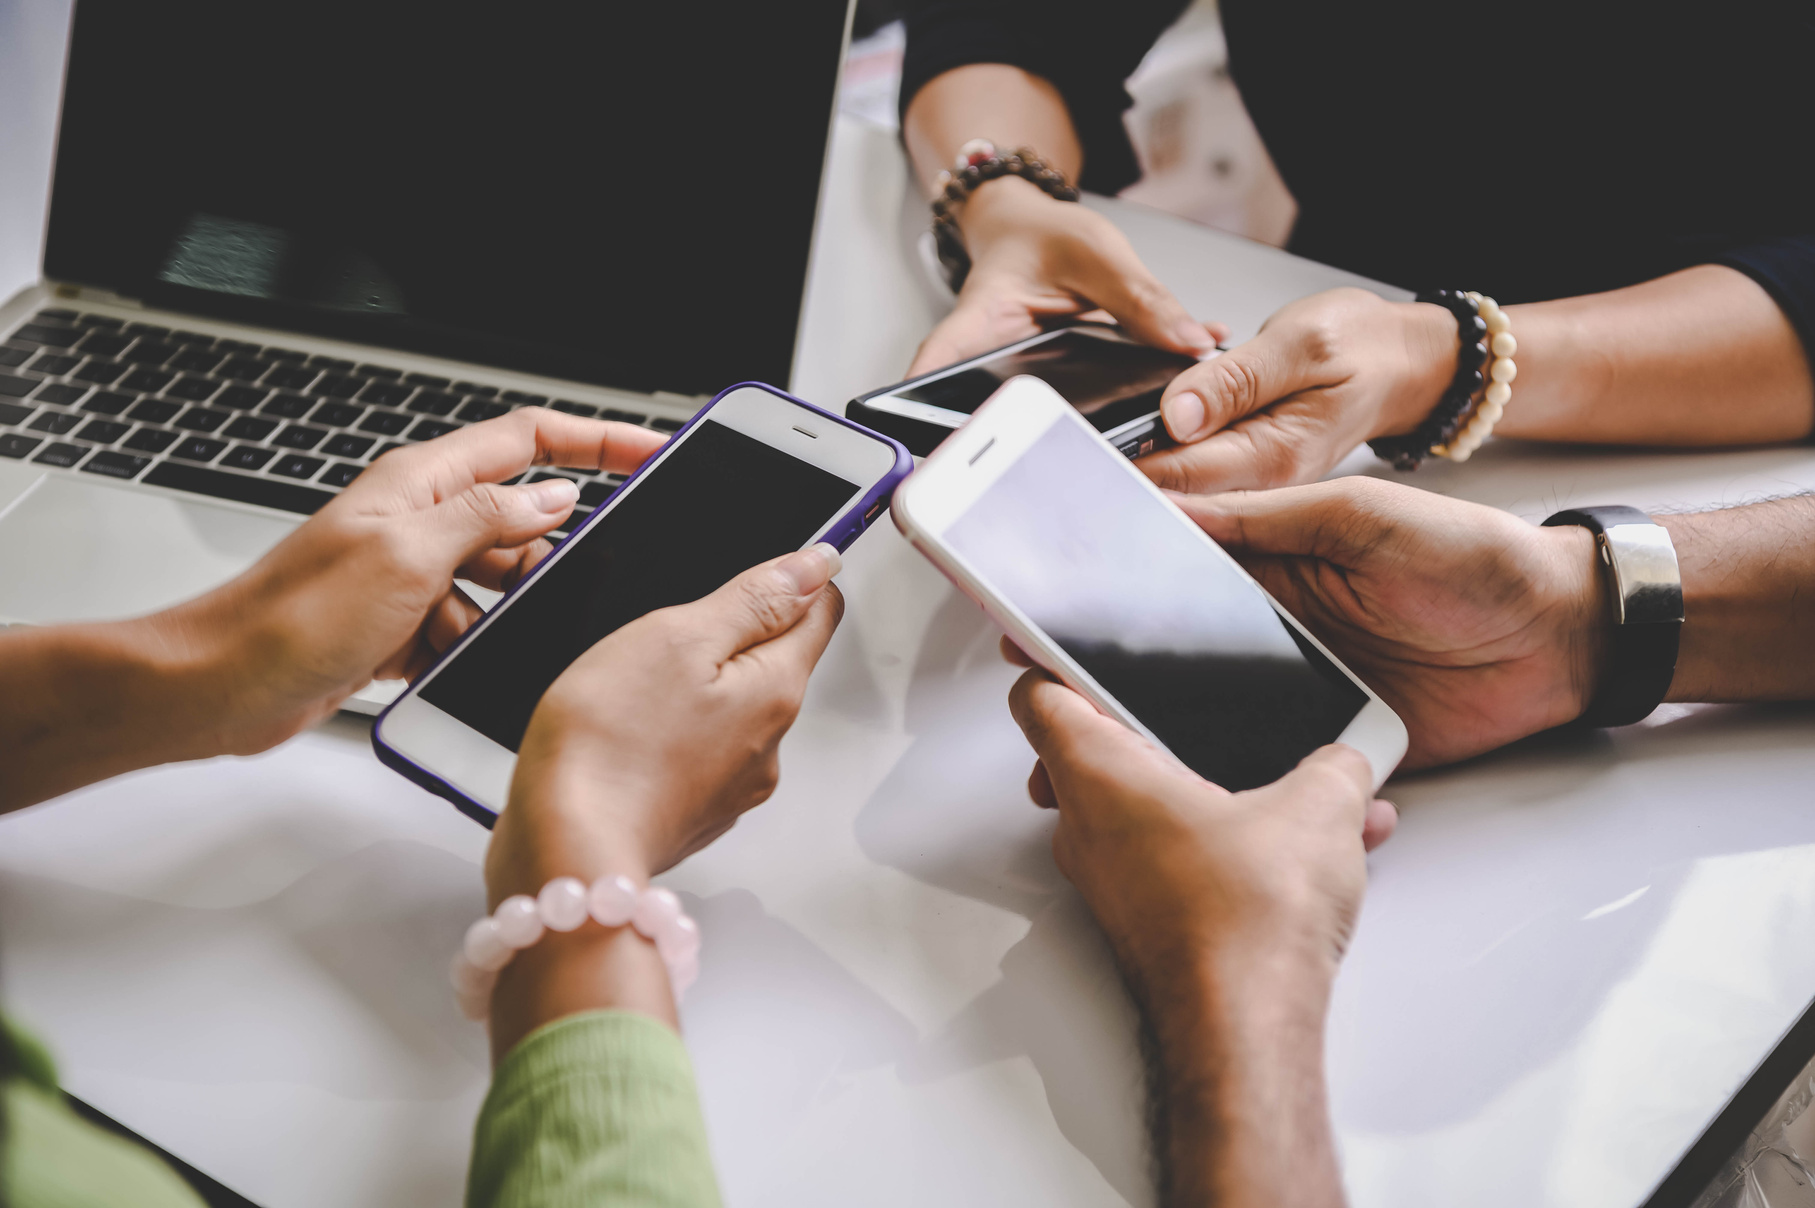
x,y
622,194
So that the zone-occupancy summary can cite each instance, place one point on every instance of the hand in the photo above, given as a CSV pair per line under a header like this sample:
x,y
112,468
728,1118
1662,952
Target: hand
x,y
645,750
365,589
1476,627
1325,374
1035,258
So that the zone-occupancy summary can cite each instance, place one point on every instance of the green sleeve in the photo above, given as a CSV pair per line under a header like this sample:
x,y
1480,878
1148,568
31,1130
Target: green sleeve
x,y
51,1158
597,1109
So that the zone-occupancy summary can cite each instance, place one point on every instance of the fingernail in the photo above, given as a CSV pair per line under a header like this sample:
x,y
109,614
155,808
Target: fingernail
x,y
812,568
1184,413
553,494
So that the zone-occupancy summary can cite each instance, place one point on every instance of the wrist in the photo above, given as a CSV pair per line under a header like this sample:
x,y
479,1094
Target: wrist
x,y
1581,614
1000,207
1430,350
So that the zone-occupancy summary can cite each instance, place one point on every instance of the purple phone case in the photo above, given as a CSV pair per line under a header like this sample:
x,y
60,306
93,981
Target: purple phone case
x,y
846,529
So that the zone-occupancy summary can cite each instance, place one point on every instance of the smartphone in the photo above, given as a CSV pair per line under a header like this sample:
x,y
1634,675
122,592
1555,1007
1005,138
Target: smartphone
x,y
1104,582
755,474
1113,381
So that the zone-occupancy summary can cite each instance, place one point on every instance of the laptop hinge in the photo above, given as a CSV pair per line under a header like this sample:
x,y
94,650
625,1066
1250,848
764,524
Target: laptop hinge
x,y
88,293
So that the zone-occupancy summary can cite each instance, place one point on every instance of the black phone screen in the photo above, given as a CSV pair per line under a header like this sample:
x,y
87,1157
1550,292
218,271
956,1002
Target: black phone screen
x,y
1168,625
1108,381
719,504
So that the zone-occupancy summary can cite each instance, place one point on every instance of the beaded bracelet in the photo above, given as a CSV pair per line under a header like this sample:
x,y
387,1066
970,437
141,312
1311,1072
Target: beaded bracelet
x,y
1500,373
978,161
564,904
1445,420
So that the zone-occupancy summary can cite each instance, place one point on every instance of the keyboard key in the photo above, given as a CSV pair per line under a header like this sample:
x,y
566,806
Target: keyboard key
x,y
330,363
54,363
62,396
292,466
667,425
100,372
13,445
18,387
286,354
592,494
248,457
385,423
624,417
150,352
102,431
479,410
289,406
105,344
150,440
340,474
197,360
239,346
250,427
429,429
146,329
298,437
475,388
433,402
528,400
56,316
244,369
424,379
199,419
241,398
386,448
380,371
12,413
190,338
11,357
199,448
148,380
291,377
116,465
347,445
572,408
108,404
61,455
387,394
155,411
97,321
337,415
194,389
55,422
50,337
242,488
337,385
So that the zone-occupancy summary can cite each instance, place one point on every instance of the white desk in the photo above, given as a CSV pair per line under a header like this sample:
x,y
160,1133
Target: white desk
x,y
1570,956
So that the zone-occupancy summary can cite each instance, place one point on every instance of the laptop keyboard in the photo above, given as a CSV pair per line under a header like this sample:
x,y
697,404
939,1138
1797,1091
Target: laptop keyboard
x,y
258,424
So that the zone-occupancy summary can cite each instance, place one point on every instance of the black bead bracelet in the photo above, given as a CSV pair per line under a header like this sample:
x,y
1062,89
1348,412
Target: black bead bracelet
x,y
978,161
1446,418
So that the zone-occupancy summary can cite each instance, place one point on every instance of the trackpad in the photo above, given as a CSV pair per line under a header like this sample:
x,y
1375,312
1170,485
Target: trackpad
x,y
72,550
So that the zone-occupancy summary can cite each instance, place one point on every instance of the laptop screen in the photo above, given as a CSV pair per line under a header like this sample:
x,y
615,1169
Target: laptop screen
x,y
617,193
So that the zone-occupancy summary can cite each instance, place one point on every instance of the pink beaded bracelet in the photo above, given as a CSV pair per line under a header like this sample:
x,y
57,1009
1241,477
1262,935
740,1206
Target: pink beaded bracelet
x,y
563,905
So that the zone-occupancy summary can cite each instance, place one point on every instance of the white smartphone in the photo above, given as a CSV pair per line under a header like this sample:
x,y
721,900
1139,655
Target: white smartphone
x,y
1103,581
755,474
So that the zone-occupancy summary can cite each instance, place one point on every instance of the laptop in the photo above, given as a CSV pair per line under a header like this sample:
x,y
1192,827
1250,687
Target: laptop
x,y
287,238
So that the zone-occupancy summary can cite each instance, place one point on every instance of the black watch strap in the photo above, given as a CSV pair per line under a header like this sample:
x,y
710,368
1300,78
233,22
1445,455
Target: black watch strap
x,y
1647,597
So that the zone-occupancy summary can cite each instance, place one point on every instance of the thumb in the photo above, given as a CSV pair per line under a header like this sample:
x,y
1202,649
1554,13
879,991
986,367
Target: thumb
x,y
1335,782
764,602
1215,393
488,515
1335,521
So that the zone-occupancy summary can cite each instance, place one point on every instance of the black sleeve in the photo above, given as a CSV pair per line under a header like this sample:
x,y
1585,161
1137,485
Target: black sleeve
x,y
1085,48
1785,266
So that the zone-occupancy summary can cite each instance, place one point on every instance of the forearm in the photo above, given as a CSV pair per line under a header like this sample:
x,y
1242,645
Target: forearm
x,y
1008,106
81,703
1700,357
1243,1118
1748,602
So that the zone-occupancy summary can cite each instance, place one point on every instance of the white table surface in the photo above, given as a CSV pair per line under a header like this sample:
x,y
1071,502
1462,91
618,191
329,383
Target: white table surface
x,y
1571,954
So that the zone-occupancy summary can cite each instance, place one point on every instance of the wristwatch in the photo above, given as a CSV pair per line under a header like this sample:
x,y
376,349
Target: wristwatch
x,y
1647,592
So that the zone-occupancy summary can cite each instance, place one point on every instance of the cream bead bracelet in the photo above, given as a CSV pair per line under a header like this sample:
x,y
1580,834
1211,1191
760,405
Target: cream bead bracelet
x,y
1500,374
563,905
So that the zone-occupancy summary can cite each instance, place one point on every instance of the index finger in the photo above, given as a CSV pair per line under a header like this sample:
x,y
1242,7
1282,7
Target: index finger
x,y
504,447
